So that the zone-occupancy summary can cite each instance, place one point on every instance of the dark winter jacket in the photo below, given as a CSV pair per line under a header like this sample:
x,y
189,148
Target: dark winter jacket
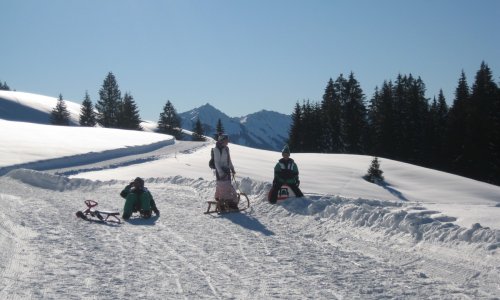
x,y
137,199
286,171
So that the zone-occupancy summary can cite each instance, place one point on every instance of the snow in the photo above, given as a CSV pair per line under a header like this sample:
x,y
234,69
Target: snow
x,y
424,234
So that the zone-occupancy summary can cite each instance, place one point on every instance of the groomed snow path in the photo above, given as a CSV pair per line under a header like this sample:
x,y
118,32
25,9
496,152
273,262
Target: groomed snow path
x,y
267,252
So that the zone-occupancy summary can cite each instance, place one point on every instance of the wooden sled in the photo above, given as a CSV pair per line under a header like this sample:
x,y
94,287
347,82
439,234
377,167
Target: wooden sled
x,y
221,207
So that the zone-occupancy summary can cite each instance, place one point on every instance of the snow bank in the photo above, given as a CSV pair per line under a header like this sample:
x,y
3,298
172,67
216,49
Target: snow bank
x,y
393,218
389,217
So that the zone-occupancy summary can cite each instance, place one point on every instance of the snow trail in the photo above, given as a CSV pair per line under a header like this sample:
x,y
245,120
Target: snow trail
x,y
301,249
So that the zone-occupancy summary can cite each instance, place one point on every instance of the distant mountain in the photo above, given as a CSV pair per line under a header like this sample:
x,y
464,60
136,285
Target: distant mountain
x,y
263,130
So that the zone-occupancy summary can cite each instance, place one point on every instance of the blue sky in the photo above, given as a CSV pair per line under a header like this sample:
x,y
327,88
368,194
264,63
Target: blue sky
x,y
241,56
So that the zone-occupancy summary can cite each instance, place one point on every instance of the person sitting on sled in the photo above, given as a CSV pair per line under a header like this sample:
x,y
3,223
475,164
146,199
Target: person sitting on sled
x,y
138,198
225,194
285,172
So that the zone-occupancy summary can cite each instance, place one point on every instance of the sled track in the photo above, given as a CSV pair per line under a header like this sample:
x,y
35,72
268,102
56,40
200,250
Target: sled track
x,y
271,251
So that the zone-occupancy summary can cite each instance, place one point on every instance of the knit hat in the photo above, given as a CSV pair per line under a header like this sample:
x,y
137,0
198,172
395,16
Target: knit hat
x,y
285,150
139,180
222,137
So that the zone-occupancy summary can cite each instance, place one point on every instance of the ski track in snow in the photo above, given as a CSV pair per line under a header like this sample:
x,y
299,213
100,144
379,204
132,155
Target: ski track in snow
x,y
319,247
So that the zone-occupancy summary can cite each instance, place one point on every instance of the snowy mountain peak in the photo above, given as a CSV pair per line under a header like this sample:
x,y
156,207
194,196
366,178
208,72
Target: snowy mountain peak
x,y
263,130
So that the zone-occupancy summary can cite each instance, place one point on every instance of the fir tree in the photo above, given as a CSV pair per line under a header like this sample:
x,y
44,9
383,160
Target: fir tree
x,y
295,134
480,130
169,122
129,114
108,106
331,118
4,86
374,174
456,127
219,128
60,114
354,123
438,116
87,113
198,132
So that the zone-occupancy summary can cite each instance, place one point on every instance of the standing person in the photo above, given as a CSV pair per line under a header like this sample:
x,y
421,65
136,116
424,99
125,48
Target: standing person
x,y
138,198
225,193
285,172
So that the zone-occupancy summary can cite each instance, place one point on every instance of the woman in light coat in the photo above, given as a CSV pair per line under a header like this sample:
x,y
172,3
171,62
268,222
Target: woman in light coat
x,y
224,169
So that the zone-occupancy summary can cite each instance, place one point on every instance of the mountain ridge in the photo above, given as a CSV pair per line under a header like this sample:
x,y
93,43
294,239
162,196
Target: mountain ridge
x,y
267,130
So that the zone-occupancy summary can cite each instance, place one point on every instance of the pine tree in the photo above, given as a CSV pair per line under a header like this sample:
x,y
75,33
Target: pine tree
x,y
374,173
354,123
60,114
4,86
381,121
456,127
480,130
219,129
87,113
169,122
198,132
295,134
108,106
129,114
436,132
331,118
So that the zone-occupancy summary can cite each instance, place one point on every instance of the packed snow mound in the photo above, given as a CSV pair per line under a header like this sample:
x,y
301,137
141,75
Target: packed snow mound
x,y
392,218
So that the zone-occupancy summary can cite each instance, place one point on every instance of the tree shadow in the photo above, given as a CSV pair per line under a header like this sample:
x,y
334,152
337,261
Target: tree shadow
x,y
248,222
392,190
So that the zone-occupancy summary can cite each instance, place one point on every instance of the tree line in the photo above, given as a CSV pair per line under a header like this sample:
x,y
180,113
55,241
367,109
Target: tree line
x,y
400,123
114,111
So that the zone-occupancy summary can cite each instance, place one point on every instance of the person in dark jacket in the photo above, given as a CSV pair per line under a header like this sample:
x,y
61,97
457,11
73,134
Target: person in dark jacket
x,y
138,198
285,172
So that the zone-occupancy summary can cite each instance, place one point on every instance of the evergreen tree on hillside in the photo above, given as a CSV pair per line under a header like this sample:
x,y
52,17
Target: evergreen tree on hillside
x,y
295,134
374,173
331,118
382,121
481,131
410,121
354,123
456,127
169,122
129,114
4,86
108,106
60,115
87,113
219,128
436,132
198,132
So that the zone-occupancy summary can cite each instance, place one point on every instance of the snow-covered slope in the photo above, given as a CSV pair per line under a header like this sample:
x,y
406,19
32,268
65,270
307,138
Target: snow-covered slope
x,y
34,108
263,130
422,235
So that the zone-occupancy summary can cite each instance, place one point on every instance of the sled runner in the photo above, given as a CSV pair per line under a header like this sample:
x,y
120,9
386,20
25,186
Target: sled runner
x,y
90,214
221,206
